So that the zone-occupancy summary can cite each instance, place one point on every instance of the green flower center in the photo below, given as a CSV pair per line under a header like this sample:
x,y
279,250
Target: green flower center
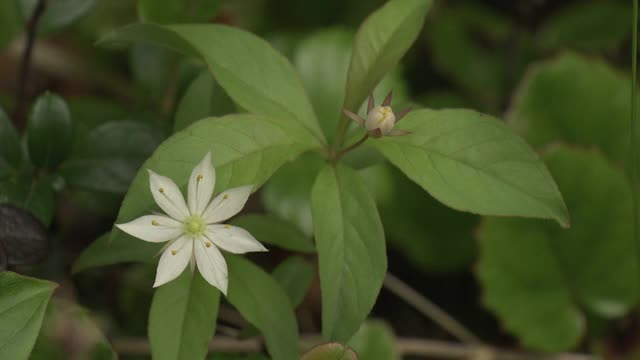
x,y
194,225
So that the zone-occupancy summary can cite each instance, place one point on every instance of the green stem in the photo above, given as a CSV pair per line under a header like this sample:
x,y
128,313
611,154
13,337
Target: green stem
x,y
635,137
340,132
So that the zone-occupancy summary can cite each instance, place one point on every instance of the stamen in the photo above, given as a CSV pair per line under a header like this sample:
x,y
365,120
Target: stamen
x,y
155,223
161,190
199,177
207,244
173,252
225,197
227,226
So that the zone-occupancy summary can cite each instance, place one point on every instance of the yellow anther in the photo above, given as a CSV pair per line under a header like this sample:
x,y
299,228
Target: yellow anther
x,y
173,252
225,197
207,244
155,223
199,177
161,190
227,226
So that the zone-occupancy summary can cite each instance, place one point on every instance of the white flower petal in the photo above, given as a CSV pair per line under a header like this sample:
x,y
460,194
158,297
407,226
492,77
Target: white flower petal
x,y
211,264
174,260
227,204
233,239
201,183
168,196
153,228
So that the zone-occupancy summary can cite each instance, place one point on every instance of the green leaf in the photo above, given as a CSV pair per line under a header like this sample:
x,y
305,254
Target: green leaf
x,y
57,14
330,351
245,149
270,229
541,279
381,41
177,11
351,250
103,252
254,75
375,341
542,113
11,21
33,195
182,319
49,131
294,275
10,148
286,194
264,304
151,66
202,99
23,301
594,26
472,162
108,158
433,237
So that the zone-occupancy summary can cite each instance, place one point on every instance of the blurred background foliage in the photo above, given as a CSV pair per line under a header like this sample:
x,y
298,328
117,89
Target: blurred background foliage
x,y
556,71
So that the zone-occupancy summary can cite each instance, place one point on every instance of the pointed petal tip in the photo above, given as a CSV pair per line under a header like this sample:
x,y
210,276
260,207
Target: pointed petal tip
x,y
387,99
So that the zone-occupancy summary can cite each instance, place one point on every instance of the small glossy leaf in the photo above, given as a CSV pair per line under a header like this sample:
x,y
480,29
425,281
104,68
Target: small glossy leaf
x,y
103,252
245,149
287,192
254,75
49,131
23,238
23,301
294,276
182,319
264,304
11,21
383,38
110,156
541,280
351,250
33,195
375,341
542,114
177,11
203,98
330,351
473,162
270,229
58,13
10,148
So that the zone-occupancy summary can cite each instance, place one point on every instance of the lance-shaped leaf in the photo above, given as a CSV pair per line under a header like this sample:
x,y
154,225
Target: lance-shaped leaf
x,y
383,38
23,302
10,149
264,304
541,279
473,162
245,149
351,250
255,76
182,319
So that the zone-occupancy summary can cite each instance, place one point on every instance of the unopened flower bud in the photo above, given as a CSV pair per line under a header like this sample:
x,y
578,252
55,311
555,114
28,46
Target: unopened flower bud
x,y
381,117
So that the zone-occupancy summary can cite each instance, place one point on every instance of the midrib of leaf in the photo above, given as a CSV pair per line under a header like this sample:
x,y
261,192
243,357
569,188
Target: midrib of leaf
x,y
183,320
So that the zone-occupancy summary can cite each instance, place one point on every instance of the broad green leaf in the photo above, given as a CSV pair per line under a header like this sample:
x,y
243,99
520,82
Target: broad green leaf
x,y
177,11
294,276
151,66
10,148
351,250
203,98
383,38
90,112
245,149
33,195
58,13
473,162
108,158
541,279
286,194
49,131
103,252
182,318
79,326
23,301
433,237
270,229
375,341
330,351
542,113
11,21
591,25
254,75
261,301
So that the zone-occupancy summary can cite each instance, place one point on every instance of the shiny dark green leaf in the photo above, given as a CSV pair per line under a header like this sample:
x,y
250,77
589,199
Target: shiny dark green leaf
x,y
49,131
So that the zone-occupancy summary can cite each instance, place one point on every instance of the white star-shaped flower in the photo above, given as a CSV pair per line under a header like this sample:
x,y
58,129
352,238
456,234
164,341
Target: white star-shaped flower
x,y
192,229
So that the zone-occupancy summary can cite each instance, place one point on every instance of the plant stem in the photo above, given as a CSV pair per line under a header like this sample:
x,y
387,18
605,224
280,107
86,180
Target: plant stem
x,y
430,310
19,114
341,129
635,138
342,152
